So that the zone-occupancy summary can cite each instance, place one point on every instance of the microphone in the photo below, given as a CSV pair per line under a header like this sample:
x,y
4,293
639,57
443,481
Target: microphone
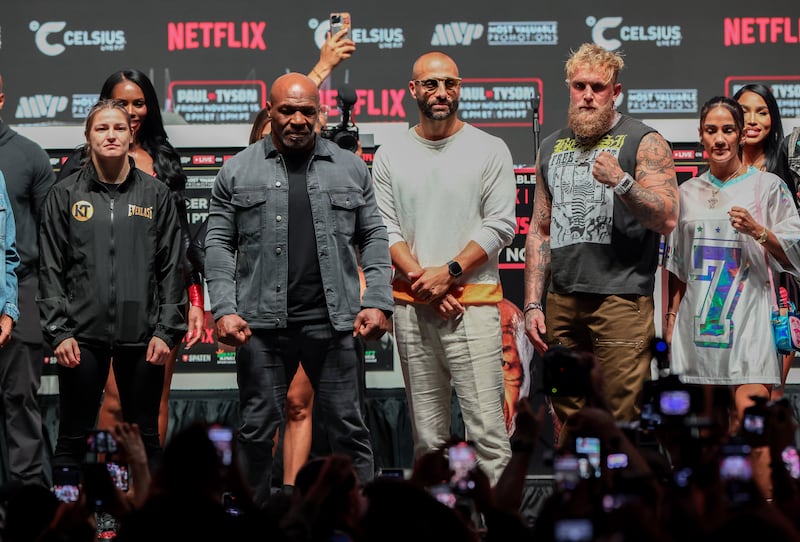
x,y
347,98
535,99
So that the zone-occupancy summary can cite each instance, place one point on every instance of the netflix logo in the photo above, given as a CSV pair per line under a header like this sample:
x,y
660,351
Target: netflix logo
x,y
216,35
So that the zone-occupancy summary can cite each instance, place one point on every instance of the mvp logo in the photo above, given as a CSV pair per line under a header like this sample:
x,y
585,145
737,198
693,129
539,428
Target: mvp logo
x,y
449,34
40,106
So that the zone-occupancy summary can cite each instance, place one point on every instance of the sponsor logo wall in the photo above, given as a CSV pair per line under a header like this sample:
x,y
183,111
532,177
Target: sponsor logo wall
x,y
213,63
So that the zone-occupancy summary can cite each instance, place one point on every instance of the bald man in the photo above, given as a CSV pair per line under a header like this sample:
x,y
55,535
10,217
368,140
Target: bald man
x,y
446,192
292,216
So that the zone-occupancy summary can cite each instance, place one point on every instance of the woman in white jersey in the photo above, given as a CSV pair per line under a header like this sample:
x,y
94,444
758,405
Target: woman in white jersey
x,y
735,220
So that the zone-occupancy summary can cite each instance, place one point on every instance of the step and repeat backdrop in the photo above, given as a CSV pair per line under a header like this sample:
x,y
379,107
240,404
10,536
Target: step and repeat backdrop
x,y
212,64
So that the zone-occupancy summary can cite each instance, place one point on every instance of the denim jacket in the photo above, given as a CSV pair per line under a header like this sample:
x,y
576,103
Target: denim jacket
x,y
246,244
8,239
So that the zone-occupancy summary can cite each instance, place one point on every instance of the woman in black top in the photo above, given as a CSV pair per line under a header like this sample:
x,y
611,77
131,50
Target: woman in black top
x,y
153,154
110,284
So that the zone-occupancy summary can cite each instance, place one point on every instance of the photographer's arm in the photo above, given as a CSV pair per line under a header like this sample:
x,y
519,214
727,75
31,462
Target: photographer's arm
x,y
130,441
335,49
509,488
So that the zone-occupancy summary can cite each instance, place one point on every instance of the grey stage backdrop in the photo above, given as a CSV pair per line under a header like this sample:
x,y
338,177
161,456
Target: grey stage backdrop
x,y
212,61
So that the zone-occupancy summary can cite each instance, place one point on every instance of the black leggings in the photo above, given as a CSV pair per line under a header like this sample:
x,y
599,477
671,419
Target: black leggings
x,y
81,390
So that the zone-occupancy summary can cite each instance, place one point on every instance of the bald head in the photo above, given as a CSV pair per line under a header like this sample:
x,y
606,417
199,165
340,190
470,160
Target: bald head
x,y
434,64
293,107
294,83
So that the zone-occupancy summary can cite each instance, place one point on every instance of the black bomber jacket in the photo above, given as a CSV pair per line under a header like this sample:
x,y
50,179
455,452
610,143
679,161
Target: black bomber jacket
x,y
110,267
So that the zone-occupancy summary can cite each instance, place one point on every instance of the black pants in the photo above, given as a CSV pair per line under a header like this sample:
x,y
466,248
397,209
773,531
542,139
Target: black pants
x,y
81,390
20,376
265,367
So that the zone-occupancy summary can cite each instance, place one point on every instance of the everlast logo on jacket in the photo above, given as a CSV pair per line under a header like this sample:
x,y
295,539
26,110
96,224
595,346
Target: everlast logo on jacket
x,y
135,210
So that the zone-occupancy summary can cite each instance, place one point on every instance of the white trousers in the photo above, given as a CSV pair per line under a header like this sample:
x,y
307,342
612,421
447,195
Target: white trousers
x,y
466,355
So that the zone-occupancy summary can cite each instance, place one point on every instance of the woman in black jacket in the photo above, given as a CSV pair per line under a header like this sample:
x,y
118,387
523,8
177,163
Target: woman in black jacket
x,y
153,154
110,284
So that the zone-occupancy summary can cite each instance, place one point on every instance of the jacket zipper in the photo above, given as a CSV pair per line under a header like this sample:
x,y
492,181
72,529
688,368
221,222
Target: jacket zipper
x,y
112,305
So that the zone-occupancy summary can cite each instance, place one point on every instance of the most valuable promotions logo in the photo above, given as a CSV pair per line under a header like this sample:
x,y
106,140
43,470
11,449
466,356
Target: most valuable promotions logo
x,y
52,39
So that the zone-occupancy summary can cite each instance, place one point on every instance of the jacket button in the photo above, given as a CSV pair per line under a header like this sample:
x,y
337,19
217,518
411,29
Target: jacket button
x,y
279,287
278,218
278,184
278,250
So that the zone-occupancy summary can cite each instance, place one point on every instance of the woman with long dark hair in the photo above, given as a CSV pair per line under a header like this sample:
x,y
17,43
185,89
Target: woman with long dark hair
x,y
763,133
153,154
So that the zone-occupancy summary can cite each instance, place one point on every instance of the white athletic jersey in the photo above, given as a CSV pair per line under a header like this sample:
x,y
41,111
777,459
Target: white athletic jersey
x,y
722,333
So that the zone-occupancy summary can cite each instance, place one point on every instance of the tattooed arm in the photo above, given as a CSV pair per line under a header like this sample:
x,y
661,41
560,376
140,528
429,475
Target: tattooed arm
x,y
537,261
653,198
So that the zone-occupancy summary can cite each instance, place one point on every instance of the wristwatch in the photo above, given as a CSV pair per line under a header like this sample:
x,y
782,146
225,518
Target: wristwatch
x,y
624,185
455,269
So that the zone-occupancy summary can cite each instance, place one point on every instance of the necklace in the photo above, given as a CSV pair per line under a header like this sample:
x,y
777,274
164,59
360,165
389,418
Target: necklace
x,y
713,201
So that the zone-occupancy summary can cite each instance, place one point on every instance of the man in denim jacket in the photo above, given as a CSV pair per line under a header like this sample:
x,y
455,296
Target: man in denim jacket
x,y
287,215
9,312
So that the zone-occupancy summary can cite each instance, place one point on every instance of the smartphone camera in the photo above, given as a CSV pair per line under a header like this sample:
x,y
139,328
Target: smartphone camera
x,y
222,438
675,402
101,442
791,461
67,483
462,458
574,530
119,475
566,472
617,461
444,494
590,447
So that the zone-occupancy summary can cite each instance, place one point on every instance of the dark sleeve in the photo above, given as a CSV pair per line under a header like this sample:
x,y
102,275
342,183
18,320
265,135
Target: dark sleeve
x,y
196,252
192,265
44,178
171,325
53,241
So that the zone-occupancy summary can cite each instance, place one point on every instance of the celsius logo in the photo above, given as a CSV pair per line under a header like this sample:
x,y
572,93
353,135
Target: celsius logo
x,y
662,35
106,40
40,106
456,34
384,38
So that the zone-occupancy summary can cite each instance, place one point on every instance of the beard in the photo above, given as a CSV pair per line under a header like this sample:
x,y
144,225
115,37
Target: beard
x,y
426,108
590,126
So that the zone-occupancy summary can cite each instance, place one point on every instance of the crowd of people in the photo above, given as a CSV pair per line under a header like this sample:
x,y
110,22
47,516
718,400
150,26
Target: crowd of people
x,y
307,253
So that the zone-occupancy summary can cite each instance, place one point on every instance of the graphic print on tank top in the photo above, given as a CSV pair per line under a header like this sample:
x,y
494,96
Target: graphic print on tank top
x,y
583,209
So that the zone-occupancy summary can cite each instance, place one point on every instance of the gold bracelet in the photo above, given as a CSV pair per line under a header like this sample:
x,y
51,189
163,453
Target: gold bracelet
x,y
673,314
315,72
762,237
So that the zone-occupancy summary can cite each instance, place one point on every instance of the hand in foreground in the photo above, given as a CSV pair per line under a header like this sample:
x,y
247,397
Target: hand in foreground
x,y
430,283
535,329
6,325
157,351
195,321
371,324
233,330
68,353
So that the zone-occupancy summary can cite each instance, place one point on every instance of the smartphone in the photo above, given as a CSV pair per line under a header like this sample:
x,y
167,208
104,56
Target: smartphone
x,y
566,472
735,463
101,442
675,402
340,20
119,475
590,446
617,461
574,530
222,437
754,424
791,461
462,458
444,494
67,483
97,486
397,474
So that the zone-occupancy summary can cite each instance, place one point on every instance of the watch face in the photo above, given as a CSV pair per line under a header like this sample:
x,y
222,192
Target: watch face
x,y
454,268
